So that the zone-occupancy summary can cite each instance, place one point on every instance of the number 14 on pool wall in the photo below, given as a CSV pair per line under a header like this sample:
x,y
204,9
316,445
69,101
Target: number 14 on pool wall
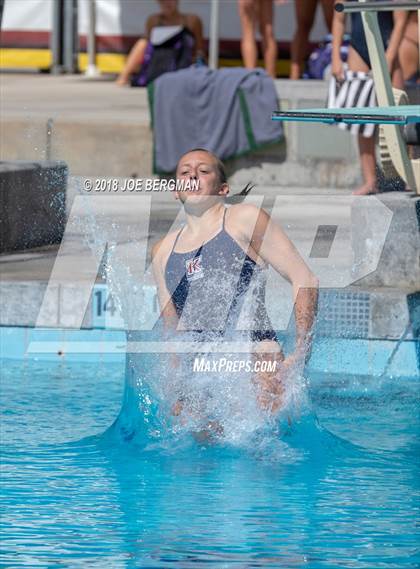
x,y
105,313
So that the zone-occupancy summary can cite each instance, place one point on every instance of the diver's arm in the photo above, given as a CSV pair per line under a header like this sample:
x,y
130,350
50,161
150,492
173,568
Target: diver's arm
x,y
306,302
167,308
270,242
168,312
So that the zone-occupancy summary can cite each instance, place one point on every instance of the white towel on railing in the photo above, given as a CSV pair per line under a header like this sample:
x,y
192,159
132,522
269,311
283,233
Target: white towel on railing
x,y
357,90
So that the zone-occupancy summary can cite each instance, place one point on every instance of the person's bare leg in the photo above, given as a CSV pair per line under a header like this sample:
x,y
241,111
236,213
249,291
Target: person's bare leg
x,y
398,75
133,62
305,14
366,145
409,48
211,431
247,16
267,34
368,164
328,11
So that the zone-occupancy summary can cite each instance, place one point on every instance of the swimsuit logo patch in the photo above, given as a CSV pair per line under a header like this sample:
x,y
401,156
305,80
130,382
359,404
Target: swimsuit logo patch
x,y
194,270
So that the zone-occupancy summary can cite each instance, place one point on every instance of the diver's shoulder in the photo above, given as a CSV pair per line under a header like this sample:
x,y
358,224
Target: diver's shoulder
x,y
245,212
245,217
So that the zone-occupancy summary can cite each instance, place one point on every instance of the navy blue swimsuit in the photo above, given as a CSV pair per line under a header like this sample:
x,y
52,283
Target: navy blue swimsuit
x,y
358,39
219,288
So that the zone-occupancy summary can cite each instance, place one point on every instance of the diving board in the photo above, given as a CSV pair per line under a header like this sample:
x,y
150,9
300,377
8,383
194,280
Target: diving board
x,y
397,115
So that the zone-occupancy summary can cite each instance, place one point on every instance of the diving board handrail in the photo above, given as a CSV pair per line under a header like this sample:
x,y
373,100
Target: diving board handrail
x,y
383,6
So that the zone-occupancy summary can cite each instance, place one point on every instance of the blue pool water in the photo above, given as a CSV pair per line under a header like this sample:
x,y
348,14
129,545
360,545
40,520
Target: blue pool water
x,y
339,487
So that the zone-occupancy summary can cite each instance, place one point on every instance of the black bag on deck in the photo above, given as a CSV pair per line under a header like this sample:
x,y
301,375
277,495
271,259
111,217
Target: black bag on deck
x,y
170,48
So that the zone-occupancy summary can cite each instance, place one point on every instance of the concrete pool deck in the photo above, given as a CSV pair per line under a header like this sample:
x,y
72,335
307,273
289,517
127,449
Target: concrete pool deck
x,y
97,127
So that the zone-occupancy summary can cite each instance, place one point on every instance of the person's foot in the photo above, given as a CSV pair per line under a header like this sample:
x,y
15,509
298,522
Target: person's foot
x,y
366,190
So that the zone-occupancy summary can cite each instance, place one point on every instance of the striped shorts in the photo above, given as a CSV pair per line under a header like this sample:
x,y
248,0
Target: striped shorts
x,y
357,90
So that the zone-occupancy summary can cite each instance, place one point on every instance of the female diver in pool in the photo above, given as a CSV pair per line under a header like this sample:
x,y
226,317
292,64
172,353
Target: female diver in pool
x,y
206,271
